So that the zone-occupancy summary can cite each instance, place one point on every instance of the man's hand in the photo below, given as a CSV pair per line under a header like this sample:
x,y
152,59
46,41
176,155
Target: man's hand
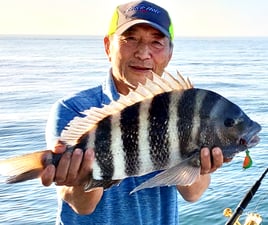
x,y
210,162
73,168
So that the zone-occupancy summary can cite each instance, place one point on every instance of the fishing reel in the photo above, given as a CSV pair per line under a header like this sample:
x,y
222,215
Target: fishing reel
x,y
252,218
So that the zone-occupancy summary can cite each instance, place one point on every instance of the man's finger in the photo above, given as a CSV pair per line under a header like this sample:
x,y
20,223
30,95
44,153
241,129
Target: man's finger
x,y
63,168
205,161
86,166
217,157
74,167
48,175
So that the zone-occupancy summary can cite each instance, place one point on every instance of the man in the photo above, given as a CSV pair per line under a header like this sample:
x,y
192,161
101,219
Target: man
x,y
139,41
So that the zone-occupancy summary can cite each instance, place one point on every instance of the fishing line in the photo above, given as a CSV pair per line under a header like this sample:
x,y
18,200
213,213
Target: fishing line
x,y
260,201
257,205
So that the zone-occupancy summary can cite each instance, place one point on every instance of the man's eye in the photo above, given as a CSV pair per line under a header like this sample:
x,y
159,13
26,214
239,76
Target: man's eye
x,y
130,38
157,44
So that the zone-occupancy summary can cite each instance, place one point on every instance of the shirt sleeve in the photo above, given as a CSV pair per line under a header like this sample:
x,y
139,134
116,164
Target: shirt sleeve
x,y
64,110
59,117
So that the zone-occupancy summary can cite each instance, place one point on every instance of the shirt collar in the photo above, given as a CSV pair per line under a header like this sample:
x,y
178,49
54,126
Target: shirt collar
x,y
109,88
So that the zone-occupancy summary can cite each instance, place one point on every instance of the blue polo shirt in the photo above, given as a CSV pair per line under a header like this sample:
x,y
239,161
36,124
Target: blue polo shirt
x,y
155,206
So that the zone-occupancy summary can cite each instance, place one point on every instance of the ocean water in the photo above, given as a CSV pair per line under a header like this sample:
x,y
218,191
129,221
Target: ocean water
x,y
35,71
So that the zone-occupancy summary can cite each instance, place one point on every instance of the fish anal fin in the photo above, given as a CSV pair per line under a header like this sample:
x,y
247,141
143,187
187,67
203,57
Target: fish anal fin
x,y
105,184
182,174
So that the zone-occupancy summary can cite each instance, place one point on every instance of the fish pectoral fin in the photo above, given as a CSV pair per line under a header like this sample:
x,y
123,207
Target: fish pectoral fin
x,y
182,174
105,184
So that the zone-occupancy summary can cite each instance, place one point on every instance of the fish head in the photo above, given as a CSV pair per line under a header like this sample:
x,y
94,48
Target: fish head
x,y
235,131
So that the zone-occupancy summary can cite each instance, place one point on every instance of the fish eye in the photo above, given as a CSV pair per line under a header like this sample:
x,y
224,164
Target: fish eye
x,y
229,122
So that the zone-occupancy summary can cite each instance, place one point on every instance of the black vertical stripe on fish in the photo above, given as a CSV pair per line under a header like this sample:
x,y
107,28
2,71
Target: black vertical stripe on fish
x,y
129,124
209,102
103,154
186,114
82,142
158,130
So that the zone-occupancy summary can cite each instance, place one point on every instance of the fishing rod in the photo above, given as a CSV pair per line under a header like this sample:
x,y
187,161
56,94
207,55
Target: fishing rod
x,y
243,204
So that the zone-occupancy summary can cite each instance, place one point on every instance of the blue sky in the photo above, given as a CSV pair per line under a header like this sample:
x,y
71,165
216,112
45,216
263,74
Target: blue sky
x,y
86,17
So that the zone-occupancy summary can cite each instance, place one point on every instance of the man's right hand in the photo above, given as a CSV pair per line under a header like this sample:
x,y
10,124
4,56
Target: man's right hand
x,y
73,168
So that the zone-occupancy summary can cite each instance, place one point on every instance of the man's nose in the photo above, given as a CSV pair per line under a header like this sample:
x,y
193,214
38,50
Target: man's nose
x,y
143,51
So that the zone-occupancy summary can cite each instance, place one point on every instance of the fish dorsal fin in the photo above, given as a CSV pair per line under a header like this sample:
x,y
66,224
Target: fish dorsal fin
x,y
80,125
179,83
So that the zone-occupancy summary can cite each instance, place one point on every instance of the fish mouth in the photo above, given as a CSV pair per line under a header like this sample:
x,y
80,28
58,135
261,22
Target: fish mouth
x,y
251,143
251,139
248,140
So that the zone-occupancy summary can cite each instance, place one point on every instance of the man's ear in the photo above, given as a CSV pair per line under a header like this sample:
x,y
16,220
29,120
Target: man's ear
x,y
107,41
171,52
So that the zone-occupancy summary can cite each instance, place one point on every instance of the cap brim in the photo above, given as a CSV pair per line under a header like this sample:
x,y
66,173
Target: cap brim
x,y
129,24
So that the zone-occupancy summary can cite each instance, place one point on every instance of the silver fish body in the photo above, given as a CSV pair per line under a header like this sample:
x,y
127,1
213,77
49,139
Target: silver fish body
x,y
167,132
160,126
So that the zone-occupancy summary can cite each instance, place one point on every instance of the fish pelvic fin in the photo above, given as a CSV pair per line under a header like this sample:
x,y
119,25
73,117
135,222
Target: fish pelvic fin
x,y
25,167
152,87
182,174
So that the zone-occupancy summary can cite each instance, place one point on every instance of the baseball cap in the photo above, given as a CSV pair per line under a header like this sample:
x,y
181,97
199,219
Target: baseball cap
x,y
136,12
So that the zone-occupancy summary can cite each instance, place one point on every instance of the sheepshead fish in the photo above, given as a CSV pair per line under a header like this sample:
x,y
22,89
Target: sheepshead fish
x,y
161,126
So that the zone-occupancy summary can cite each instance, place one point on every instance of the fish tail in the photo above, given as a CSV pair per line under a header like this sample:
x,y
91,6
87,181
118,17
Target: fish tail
x,y
25,167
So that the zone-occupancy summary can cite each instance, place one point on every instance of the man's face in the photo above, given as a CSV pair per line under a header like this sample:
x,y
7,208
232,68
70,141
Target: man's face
x,y
135,53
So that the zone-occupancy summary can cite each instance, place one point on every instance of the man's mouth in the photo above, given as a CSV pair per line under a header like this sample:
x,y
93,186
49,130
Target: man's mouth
x,y
141,68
